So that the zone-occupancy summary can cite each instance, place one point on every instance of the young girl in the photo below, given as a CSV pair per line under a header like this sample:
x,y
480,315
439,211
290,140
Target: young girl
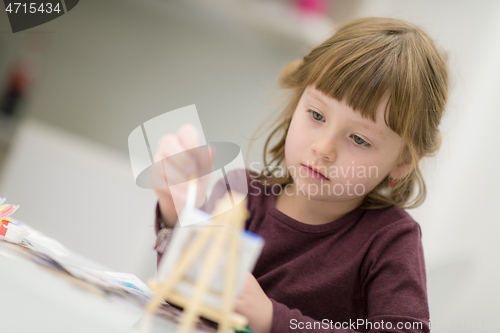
x,y
341,254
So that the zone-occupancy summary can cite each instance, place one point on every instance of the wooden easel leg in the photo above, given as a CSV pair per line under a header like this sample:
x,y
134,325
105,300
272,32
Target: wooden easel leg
x,y
230,278
213,255
184,264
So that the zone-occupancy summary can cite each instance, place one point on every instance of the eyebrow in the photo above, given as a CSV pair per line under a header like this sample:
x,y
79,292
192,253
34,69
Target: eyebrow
x,y
313,94
371,129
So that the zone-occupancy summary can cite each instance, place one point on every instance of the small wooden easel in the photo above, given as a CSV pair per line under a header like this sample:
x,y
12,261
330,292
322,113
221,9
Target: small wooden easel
x,y
232,220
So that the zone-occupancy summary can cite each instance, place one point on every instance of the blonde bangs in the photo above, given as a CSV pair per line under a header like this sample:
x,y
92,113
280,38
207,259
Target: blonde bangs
x,y
362,72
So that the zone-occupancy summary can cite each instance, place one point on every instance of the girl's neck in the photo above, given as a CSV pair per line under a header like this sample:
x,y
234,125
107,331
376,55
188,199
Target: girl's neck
x,y
310,211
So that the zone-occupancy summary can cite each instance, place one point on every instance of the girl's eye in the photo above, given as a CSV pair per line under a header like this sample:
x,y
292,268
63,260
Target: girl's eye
x,y
359,141
316,115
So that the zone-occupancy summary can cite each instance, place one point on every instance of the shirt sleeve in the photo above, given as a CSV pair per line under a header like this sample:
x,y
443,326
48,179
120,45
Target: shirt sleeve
x,y
394,289
159,224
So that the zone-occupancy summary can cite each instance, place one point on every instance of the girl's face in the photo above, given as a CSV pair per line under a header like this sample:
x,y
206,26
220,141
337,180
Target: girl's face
x,y
351,154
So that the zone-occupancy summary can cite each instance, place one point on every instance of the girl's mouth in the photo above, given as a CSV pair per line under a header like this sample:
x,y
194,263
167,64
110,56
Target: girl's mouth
x,y
313,173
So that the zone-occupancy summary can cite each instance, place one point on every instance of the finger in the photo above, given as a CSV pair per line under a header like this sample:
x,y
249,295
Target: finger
x,y
239,305
189,138
164,175
179,196
170,146
174,174
188,135
158,177
208,158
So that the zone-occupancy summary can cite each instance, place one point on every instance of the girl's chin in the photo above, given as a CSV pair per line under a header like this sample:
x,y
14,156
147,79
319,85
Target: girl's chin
x,y
313,189
330,190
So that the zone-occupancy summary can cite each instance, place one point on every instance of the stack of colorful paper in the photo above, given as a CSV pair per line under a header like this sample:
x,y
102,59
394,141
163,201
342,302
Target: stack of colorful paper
x,y
5,211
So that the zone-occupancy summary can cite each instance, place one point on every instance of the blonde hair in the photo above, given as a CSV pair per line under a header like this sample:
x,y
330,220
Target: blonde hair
x,y
363,61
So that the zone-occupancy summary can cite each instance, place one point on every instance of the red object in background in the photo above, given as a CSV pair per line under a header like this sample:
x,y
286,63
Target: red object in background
x,y
3,229
22,76
312,6
19,81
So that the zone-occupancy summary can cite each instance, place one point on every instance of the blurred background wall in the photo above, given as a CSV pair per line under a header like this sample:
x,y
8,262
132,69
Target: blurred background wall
x,y
109,65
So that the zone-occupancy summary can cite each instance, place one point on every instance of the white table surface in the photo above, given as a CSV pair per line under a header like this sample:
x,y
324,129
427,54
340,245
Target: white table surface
x,y
34,299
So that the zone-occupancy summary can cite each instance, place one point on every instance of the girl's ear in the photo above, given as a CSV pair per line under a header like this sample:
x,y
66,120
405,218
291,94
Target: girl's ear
x,y
401,169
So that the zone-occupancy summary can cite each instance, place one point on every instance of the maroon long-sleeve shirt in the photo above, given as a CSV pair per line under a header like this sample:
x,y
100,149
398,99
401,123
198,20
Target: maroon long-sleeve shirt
x,y
363,272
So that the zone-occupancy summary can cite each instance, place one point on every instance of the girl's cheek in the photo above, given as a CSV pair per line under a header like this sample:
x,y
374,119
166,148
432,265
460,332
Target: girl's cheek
x,y
288,148
291,137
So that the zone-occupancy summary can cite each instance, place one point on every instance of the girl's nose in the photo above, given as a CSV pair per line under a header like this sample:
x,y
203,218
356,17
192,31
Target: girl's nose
x,y
324,150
